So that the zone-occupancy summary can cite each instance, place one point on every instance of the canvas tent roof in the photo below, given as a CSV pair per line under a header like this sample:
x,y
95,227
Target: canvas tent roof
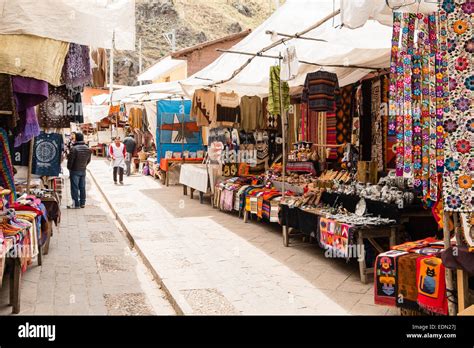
x,y
355,13
163,67
86,22
153,91
366,46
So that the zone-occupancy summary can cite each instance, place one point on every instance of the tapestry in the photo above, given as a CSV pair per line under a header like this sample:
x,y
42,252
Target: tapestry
x,y
6,167
331,122
343,120
418,96
458,177
321,135
335,236
47,152
356,113
377,136
407,292
56,111
431,285
386,274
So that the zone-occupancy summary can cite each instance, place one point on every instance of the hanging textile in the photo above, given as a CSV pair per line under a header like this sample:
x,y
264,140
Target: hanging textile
x,y
366,122
386,275
384,113
251,117
228,108
99,67
55,112
331,138
431,285
274,92
77,67
343,119
377,136
458,189
289,64
6,166
7,103
418,95
407,292
204,108
28,93
320,91
321,137
33,56
47,153
356,114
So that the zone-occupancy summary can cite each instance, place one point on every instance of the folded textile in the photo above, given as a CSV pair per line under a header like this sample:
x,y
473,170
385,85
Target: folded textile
x,y
431,284
407,292
386,274
33,56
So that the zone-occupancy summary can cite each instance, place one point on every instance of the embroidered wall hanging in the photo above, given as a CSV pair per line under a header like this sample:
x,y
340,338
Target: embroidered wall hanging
x,y
458,177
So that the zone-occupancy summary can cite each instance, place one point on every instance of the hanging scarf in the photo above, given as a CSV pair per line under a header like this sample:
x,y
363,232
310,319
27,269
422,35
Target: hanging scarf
x,y
431,285
77,67
377,137
6,166
386,274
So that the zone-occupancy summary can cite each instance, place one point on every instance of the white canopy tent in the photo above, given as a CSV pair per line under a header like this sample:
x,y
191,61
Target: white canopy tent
x,y
355,13
163,67
368,46
153,91
86,22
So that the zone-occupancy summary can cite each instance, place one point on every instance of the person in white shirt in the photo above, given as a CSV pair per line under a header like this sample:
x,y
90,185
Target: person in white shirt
x,y
117,153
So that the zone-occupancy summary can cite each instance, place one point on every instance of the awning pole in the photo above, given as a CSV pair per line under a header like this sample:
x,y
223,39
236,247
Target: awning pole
x,y
300,61
279,42
283,129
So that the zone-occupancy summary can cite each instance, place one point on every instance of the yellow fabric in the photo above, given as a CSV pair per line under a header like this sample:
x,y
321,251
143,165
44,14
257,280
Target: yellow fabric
x,y
33,56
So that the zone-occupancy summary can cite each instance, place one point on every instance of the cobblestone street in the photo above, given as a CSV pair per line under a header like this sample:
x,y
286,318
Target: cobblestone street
x,y
90,269
210,262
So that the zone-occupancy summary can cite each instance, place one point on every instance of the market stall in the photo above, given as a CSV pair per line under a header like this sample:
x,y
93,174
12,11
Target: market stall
x,y
45,63
373,140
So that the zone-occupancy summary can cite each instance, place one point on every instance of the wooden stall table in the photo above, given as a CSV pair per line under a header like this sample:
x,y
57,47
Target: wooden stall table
x,y
196,177
15,275
167,163
361,233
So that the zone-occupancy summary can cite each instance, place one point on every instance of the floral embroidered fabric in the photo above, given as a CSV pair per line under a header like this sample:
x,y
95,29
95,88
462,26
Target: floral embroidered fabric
x,y
458,123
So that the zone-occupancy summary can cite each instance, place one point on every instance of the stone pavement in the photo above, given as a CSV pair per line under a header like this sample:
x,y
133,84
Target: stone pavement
x,y
210,262
90,269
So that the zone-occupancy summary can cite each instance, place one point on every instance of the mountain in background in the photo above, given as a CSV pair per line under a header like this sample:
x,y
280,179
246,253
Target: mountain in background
x,y
195,21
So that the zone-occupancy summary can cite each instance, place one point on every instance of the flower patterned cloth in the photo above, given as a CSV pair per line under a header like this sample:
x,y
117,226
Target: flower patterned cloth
x,y
458,174
418,97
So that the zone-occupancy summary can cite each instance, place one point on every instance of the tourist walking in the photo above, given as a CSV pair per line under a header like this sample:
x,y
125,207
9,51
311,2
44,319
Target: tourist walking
x,y
117,153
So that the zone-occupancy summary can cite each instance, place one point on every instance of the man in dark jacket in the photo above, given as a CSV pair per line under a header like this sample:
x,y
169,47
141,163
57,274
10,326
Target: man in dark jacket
x,y
78,159
130,146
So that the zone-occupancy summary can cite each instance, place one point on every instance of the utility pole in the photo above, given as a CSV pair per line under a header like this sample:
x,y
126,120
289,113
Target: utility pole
x,y
171,39
140,59
111,75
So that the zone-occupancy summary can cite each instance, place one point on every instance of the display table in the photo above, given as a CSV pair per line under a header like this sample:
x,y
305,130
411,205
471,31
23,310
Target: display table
x,y
307,222
196,177
167,163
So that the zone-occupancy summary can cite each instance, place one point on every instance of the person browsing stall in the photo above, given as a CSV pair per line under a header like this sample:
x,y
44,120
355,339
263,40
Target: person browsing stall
x,y
130,147
78,159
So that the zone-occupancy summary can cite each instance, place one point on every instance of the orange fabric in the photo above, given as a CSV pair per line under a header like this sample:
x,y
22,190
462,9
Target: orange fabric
x,y
91,92
165,162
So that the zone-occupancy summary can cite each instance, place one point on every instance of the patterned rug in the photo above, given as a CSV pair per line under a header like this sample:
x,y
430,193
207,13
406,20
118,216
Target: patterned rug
x,y
343,120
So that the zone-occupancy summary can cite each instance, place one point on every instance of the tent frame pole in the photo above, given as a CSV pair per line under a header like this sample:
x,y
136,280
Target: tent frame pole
x,y
300,61
283,129
269,32
448,273
280,42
